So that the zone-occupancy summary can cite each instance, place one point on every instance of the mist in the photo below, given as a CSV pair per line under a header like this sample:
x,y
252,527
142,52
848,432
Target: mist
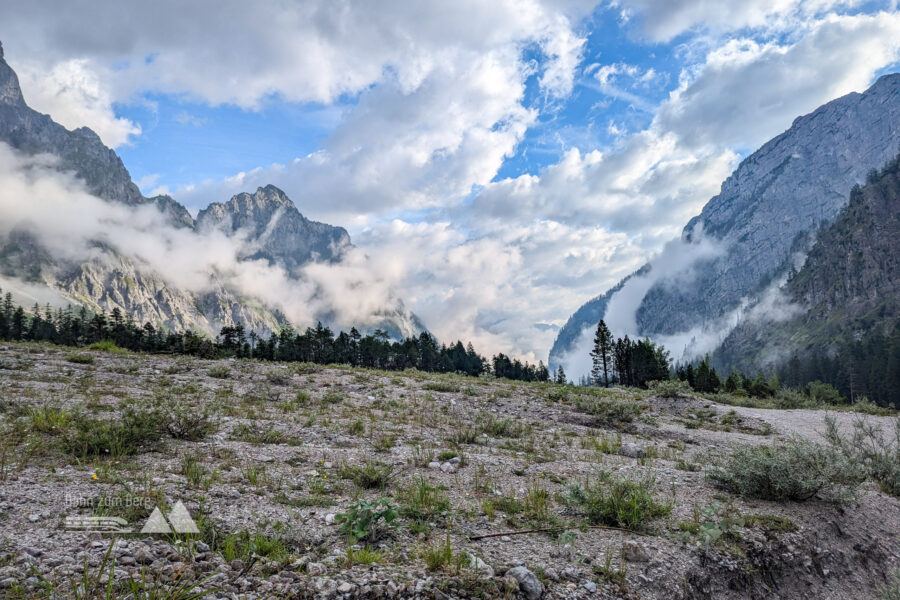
x,y
75,226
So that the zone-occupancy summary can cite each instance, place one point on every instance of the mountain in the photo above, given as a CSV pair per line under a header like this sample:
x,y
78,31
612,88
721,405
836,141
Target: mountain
x,y
269,225
848,288
765,216
283,236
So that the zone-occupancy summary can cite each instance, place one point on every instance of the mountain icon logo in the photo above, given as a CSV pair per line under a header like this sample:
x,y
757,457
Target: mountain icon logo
x,y
179,521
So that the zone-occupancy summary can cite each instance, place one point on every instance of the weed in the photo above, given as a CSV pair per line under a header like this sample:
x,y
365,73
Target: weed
x,y
369,476
367,521
219,372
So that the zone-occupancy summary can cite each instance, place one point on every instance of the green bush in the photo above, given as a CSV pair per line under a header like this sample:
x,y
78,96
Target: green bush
x,y
869,451
618,501
670,388
219,372
190,423
366,521
795,470
823,393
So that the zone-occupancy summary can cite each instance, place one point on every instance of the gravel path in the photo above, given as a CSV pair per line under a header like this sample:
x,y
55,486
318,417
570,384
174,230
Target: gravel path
x,y
809,423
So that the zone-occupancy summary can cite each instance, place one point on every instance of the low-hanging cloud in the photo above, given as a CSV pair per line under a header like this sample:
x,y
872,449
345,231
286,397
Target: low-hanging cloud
x,y
69,223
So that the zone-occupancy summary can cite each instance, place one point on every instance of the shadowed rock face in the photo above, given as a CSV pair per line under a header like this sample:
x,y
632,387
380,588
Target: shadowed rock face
x,y
280,234
769,208
80,150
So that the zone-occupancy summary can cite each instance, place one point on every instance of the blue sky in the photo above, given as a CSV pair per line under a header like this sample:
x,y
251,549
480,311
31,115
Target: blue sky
x,y
497,163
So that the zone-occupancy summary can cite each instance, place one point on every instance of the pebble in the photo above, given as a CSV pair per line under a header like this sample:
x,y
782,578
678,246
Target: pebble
x,y
632,450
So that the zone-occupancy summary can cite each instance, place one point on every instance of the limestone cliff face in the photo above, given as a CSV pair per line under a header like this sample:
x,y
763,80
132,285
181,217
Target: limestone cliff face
x,y
279,232
768,208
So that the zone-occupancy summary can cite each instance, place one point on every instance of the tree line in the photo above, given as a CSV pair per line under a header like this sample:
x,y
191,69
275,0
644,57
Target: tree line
x,y
81,327
623,361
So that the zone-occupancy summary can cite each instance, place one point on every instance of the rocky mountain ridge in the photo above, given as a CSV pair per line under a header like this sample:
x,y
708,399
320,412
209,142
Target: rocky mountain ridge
x,y
268,221
767,211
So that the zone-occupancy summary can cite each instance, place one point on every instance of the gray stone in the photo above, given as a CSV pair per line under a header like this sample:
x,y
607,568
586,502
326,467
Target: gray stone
x,y
632,450
529,584
634,552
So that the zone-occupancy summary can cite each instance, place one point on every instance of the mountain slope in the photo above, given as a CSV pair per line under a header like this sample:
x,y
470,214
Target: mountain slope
x,y
766,212
848,288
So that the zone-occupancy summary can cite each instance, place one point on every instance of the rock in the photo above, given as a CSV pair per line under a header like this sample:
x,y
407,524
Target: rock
x,y
127,561
455,460
634,552
551,574
448,467
570,574
528,582
632,450
143,556
434,465
315,569
329,518
480,567
589,586
345,588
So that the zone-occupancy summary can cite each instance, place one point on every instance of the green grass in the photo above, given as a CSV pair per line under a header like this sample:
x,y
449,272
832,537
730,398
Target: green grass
x,y
618,501
107,346
421,500
372,475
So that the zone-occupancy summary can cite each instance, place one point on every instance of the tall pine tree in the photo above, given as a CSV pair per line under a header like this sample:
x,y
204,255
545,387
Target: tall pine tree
x,y
601,354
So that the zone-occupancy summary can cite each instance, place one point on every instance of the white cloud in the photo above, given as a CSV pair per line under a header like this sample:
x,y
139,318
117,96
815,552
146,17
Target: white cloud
x,y
664,19
746,91
72,93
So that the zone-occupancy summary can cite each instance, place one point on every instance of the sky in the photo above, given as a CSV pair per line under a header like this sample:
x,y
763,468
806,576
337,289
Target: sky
x,y
500,162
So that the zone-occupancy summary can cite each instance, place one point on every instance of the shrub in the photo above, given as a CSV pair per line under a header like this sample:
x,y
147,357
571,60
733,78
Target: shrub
x,y
504,427
618,501
191,424
366,521
795,470
50,419
869,451
823,393
670,388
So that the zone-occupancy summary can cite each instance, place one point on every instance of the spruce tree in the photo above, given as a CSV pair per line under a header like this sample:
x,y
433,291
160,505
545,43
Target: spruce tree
x,y
601,354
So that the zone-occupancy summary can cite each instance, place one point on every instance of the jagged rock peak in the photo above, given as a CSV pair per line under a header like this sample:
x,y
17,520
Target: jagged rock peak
x,y
10,92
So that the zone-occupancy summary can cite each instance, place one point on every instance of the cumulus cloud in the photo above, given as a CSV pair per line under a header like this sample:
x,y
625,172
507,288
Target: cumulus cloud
x,y
747,91
664,19
71,91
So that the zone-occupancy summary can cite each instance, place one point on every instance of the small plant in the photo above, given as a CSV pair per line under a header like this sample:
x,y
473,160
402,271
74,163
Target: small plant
x,y
364,556
333,397
370,476
135,432
618,501
422,501
219,372
356,427
80,359
366,520
611,412
670,388
502,427
50,419
439,555
711,524
107,346
795,470
440,386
